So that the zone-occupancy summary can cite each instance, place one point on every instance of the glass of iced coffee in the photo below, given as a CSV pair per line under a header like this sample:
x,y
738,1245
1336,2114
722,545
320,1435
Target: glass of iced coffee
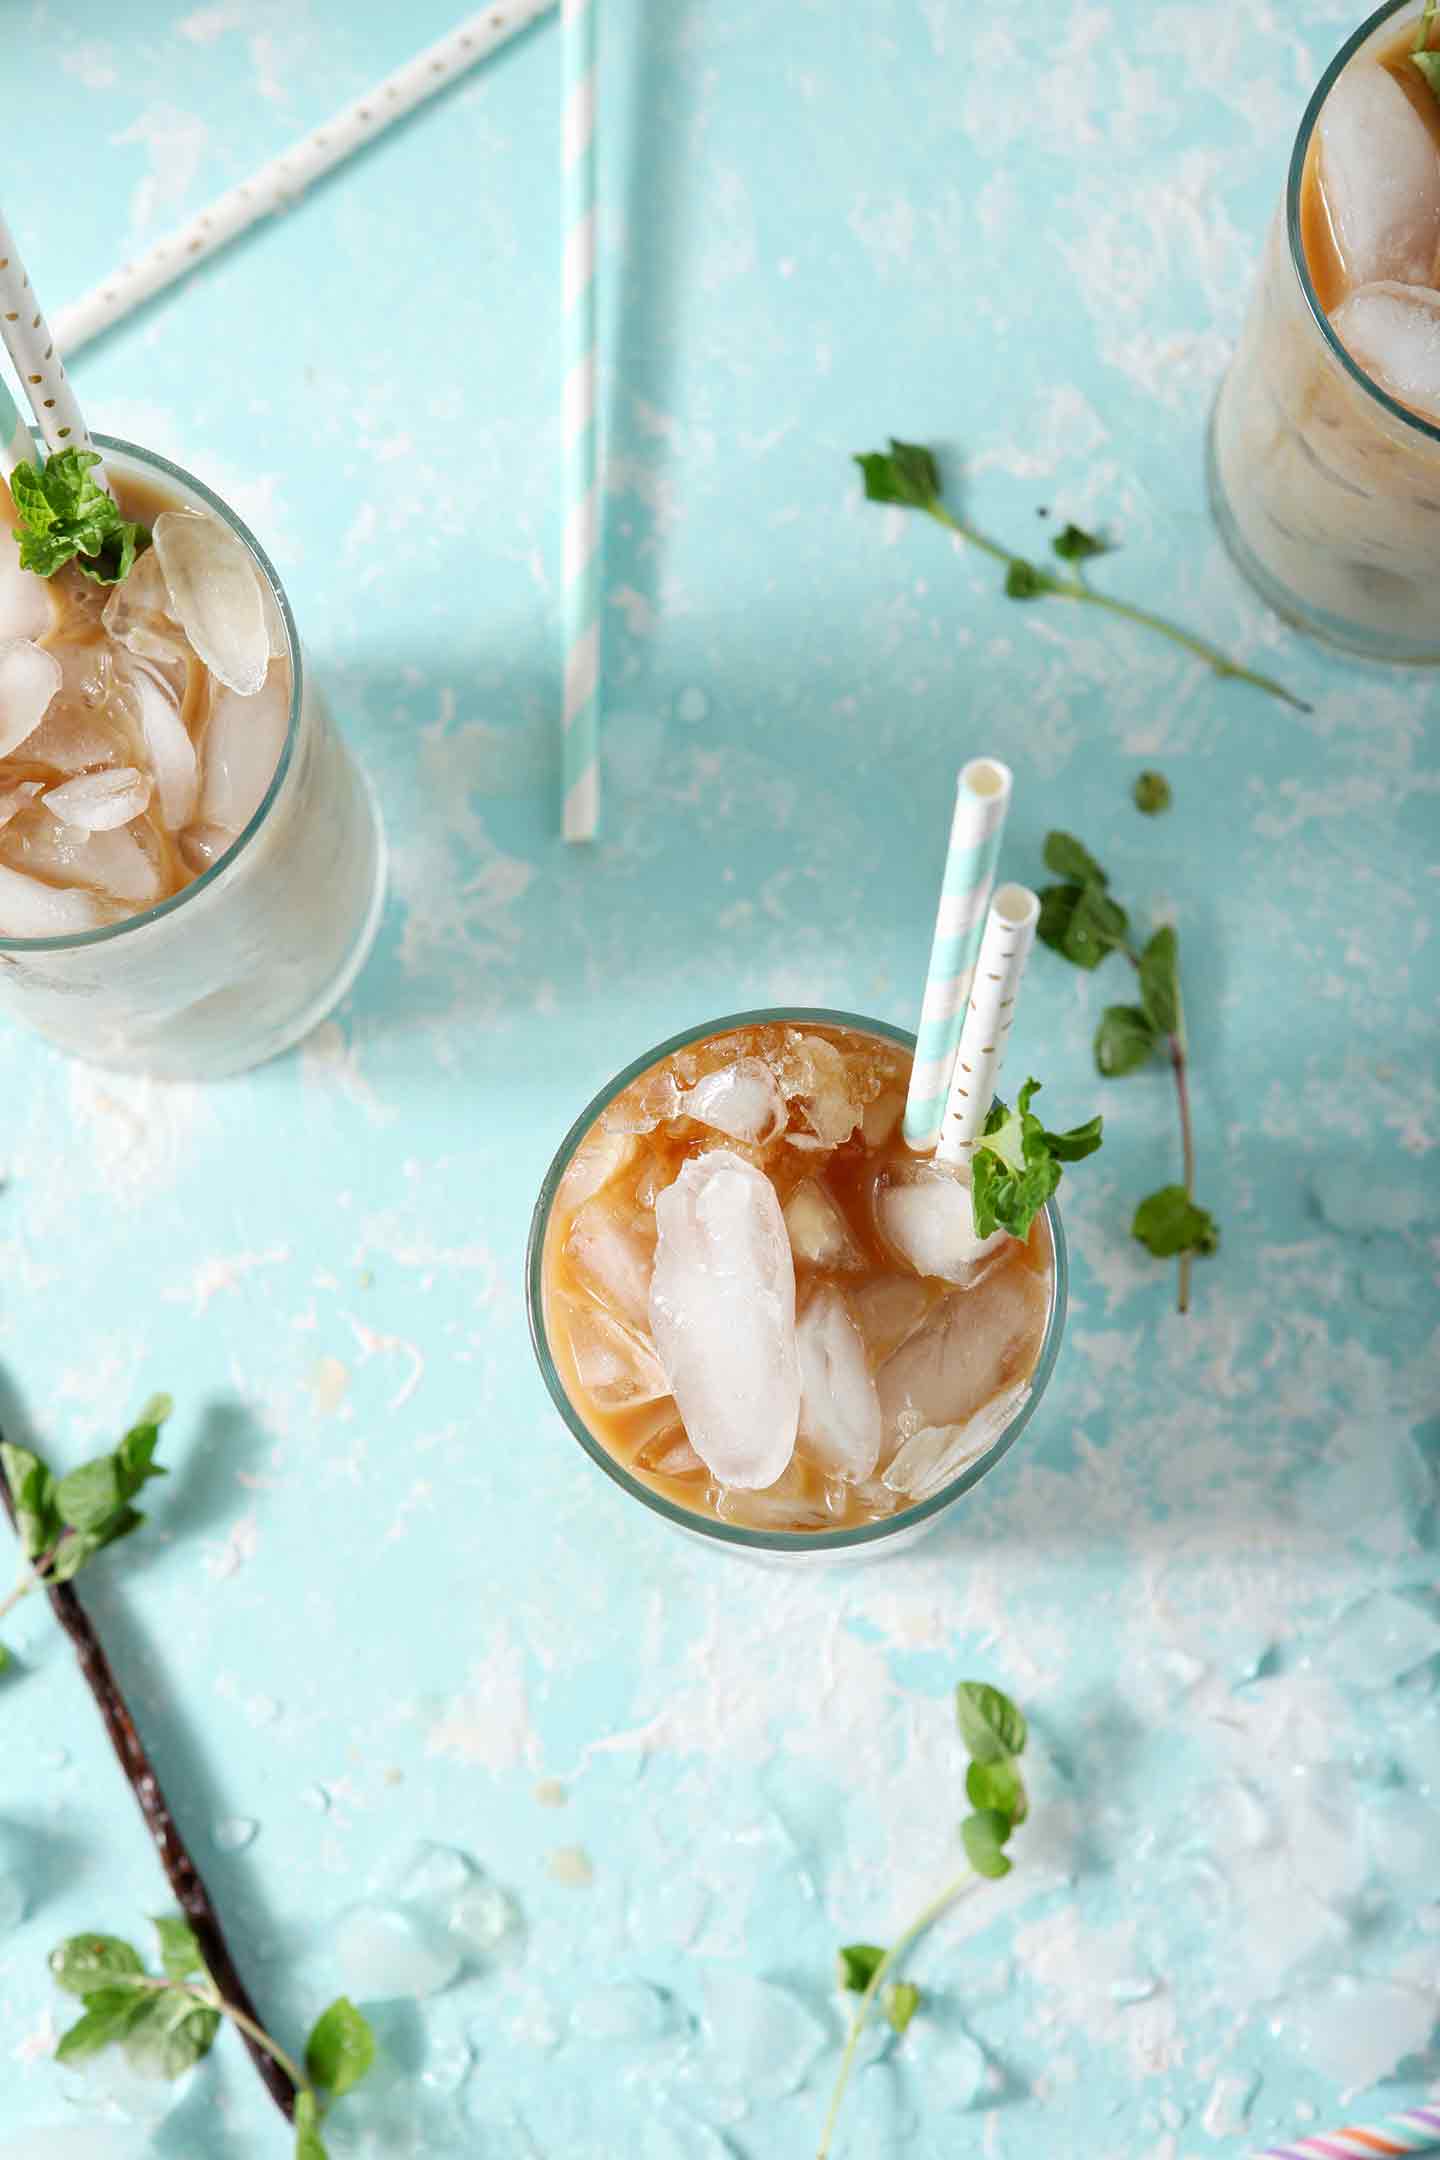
x,y
1325,440
191,866
765,1318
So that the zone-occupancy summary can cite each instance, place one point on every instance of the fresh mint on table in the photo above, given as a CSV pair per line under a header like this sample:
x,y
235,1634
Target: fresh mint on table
x,y
65,515
907,474
167,2021
1081,920
62,1523
994,1732
1151,793
1017,1164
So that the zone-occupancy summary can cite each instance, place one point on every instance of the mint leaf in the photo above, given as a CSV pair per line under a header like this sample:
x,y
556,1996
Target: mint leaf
x,y
1016,1163
1081,922
1160,982
996,1786
1080,1141
857,1964
179,1951
109,2014
984,1836
1151,793
1076,545
66,515
1069,860
173,2032
32,1489
906,474
1124,1040
341,2047
991,1726
84,1963
1168,1222
900,2000
308,2143
1026,581
74,1549
1429,66
89,1496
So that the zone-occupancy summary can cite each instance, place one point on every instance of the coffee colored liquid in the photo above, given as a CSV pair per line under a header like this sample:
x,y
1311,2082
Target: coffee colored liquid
x,y
1317,235
847,1157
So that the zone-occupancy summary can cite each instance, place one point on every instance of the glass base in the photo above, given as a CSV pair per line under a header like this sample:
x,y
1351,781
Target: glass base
x,y
1333,630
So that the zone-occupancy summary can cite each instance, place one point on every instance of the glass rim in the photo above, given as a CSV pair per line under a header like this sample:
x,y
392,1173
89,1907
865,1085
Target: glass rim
x,y
1427,429
106,933
738,1535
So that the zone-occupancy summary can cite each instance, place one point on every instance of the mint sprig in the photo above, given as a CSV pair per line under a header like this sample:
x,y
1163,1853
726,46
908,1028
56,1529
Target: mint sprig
x,y
1081,921
908,475
994,1732
64,1522
66,516
1017,1163
167,2021
1422,58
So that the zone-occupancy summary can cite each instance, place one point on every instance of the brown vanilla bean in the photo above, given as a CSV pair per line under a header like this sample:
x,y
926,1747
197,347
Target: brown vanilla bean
x,y
184,1877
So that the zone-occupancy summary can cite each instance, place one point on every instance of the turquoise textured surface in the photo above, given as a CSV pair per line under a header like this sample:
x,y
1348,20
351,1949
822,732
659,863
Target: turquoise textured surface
x,y
384,1598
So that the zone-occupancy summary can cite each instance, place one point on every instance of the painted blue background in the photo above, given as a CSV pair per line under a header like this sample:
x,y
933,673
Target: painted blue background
x,y
383,1597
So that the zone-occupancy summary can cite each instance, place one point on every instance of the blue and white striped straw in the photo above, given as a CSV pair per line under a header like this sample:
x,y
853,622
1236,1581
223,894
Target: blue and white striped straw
x,y
982,801
15,441
579,762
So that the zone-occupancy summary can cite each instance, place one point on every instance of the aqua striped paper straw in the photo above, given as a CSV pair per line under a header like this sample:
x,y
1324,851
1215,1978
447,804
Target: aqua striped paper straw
x,y
1414,2130
982,800
579,763
15,443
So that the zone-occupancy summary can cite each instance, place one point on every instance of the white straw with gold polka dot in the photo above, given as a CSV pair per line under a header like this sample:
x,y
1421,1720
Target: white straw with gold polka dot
x,y
37,363
1004,949
280,183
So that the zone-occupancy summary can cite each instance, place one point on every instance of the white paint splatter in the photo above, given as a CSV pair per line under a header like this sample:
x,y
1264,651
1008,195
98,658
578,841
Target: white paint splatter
x,y
218,1274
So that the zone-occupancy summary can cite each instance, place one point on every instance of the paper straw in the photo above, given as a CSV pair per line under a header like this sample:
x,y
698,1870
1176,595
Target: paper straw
x,y
580,771
982,800
1414,2130
38,365
276,185
1004,950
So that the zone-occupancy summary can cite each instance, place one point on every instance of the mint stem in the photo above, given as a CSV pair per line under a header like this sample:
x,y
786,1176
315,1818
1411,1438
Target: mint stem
x,y
1177,1050
917,1927
1075,588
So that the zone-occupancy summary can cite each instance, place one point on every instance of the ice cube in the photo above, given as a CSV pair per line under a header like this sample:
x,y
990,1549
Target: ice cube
x,y
30,909
817,1075
29,681
215,597
1240,1820
234,1832
1354,2031
18,798
167,743
761,2040
1379,1639
740,1099
243,739
930,1458
1393,332
137,614
882,1116
612,1260
1285,1931
426,1875
819,1234
99,802
26,609
481,1916
624,2012
1380,173
1228,2106
956,2069
926,1214
599,1157
889,1307
788,1506
202,846
646,1103
385,1953
722,1312
617,1367
839,1408
969,1347
669,1454
114,864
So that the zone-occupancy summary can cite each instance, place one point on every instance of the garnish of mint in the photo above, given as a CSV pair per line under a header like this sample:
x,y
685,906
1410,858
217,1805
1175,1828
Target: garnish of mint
x,y
1151,793
64,1522
1428,62
1016,1163
907,474
994,1732
168,2020
1081,921
65,516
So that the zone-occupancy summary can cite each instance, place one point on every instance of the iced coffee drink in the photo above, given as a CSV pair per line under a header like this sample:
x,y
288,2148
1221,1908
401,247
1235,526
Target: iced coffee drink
x,y
760,1311
191,867
1325,442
